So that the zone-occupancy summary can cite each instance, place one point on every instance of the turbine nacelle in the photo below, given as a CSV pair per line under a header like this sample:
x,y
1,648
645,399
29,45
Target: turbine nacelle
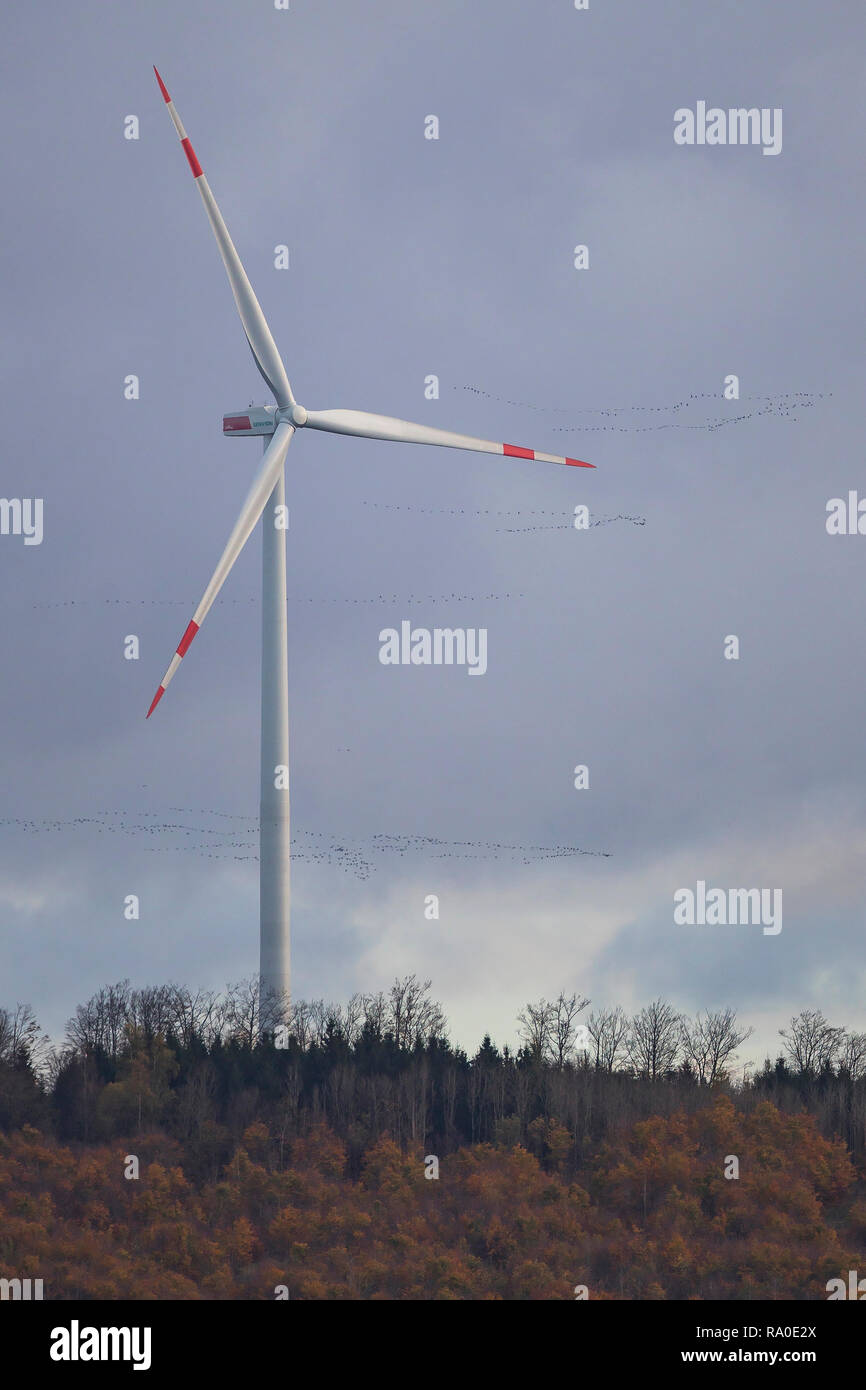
x,y
262,420
255,420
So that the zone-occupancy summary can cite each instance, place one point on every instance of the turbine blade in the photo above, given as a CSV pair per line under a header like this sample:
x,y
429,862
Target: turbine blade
x,y
360,422
259,337
263,485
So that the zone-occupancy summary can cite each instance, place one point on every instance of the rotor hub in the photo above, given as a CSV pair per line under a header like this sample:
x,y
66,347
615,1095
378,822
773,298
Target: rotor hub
x,y
292,415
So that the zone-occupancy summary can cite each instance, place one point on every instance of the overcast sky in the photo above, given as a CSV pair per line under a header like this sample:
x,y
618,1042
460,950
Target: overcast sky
x,y
452,257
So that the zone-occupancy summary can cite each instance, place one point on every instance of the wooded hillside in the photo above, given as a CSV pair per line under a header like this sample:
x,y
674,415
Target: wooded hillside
x,y
167,1151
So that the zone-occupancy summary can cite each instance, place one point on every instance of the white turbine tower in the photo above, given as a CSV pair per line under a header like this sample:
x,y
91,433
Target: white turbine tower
x,y
277,424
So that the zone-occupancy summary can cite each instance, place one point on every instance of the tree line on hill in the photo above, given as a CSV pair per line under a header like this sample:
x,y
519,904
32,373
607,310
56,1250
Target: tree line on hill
x,y
204,1066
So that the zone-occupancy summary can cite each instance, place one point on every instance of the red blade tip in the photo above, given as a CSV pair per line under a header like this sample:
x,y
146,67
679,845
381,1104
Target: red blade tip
x,y
155,701
162,86
576,463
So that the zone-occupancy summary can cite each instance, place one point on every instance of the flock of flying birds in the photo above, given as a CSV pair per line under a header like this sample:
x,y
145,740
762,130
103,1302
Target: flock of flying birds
x,y
229,836
565,523
296,598
561,525
225,835
783,406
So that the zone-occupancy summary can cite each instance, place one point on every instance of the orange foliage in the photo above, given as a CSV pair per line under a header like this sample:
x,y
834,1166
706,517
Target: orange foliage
x,y
653,1216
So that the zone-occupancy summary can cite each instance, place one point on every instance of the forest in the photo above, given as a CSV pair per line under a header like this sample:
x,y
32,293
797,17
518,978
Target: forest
x,y
194,1145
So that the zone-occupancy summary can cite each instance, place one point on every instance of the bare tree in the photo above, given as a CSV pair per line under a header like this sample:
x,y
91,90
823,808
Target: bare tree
x,y
608,1030
352,1018
313,1021
399,1011
375,1013
100,1023
21,1038
200,1016
412,1016
318,1021
853,1056
536,1021
653,1041
811,1043
151,1011
299,1024
248,1015
709,1043
564,1028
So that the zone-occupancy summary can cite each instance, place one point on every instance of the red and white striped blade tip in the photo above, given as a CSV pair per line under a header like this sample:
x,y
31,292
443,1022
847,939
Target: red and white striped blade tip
x,y
514,451
160,691
183,645
162,86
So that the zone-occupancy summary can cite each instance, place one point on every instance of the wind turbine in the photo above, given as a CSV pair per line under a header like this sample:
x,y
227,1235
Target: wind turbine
x,y
276,425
